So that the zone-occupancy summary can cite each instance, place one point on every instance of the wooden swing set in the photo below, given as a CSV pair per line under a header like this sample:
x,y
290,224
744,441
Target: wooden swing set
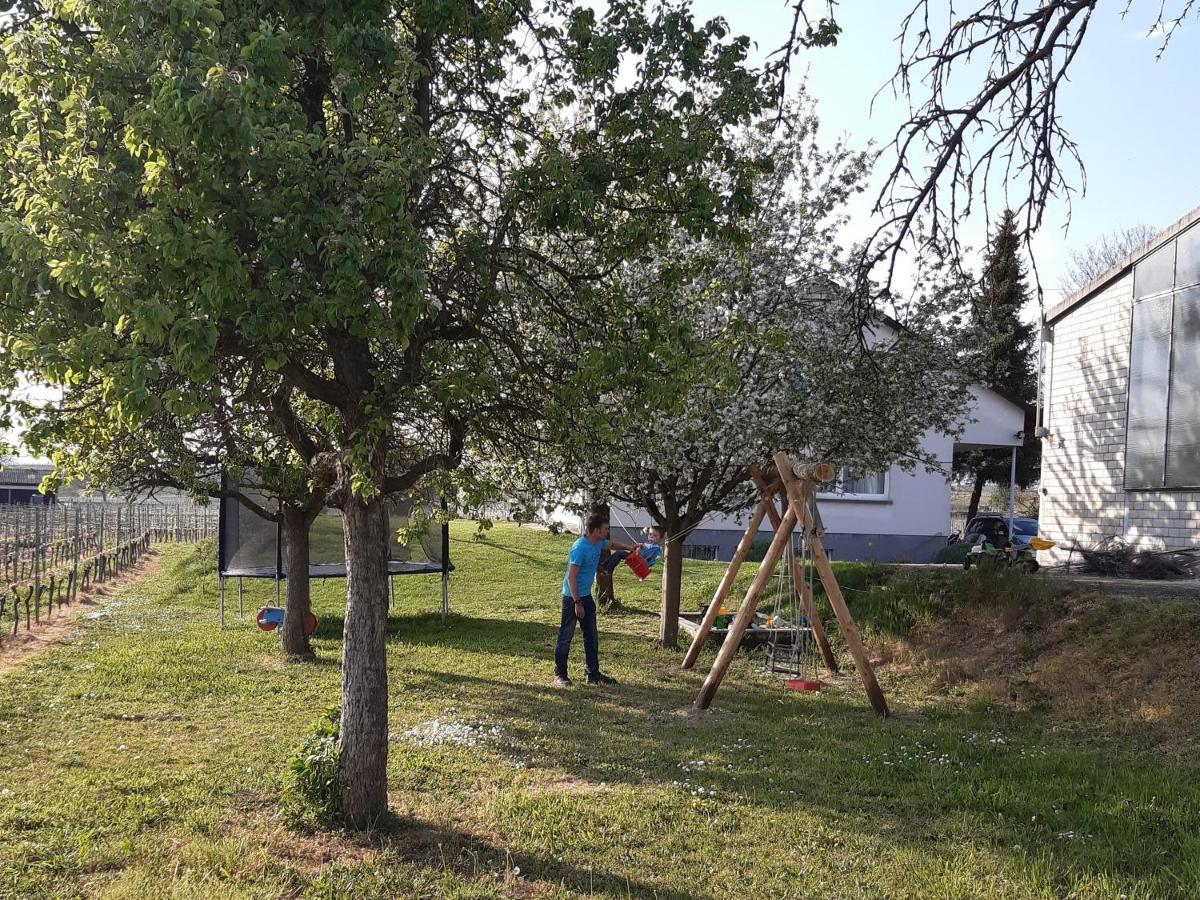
x,y
794,487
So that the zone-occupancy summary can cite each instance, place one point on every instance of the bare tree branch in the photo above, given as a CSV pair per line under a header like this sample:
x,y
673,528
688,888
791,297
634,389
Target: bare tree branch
x,y
982,89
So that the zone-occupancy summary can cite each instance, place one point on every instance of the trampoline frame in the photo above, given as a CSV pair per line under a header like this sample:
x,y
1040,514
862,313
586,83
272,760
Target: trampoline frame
x,y
396,567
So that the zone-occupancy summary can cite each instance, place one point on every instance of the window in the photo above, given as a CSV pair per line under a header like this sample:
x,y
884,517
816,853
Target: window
x,y
1162,433
849,487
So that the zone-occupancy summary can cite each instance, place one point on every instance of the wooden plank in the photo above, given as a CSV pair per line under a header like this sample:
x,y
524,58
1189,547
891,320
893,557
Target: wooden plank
x,y
803,591
799,508
737,628
714,608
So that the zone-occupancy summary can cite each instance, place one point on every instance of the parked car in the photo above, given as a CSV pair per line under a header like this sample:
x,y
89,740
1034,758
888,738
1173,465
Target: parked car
x,y
995,529
988,538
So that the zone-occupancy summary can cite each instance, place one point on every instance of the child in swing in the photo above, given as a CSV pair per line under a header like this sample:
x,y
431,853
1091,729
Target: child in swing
x,y
649,550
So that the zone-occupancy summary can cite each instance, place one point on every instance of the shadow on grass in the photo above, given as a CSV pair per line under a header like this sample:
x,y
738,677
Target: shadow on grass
x,y
456,631
469,856
915,782
925,783
542,562
944,783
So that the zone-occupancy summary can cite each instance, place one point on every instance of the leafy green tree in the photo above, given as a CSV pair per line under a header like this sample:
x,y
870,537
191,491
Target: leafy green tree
x,y
1004,348
398,209
237,436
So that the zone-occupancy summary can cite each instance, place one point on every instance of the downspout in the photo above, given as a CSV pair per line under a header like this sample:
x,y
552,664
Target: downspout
x,y
1012,495
1040,431
1044,337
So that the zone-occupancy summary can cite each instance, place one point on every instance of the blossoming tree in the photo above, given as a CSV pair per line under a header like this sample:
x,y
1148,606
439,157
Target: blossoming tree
x,y
776,356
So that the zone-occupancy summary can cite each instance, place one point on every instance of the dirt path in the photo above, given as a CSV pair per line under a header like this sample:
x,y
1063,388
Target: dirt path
x,y
15,649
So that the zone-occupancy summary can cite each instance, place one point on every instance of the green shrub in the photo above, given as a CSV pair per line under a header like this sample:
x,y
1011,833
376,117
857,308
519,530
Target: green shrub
x,y
997,585
758,550
312,795
955,553
893,609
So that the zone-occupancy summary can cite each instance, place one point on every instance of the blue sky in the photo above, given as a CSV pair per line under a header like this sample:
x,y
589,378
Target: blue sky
x,y
1133,117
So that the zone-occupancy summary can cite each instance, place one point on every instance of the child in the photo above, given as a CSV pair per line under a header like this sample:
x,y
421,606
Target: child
x,y
650,550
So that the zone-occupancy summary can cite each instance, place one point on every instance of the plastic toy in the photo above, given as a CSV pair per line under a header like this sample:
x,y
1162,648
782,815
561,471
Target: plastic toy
x,y
640,567
271,617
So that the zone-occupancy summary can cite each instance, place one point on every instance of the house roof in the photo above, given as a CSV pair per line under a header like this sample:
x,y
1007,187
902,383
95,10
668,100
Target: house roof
x,y
1093,287
999,391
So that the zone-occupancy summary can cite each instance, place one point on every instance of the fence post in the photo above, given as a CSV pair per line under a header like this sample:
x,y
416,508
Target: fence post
x,y
75,560
37,569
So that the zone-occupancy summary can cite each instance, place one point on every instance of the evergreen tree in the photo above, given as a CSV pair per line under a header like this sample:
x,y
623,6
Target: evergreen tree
x,y
1006,355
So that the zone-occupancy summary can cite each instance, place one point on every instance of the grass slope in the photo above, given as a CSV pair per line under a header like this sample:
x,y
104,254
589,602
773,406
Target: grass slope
x,y
144,760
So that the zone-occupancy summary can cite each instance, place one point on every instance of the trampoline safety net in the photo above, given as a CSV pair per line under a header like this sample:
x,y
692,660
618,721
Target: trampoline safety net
x,y
251,546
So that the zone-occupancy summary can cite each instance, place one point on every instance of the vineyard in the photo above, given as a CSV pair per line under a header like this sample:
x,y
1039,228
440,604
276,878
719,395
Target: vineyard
x,y
49,553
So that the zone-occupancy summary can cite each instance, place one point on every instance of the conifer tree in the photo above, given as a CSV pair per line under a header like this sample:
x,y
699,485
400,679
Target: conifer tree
x,y
1004,345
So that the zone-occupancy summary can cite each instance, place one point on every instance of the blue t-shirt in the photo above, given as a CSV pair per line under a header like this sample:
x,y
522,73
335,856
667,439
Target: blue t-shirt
x,y
649,552
587,556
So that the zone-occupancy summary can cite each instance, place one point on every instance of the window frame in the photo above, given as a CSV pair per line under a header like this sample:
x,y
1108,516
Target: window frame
x,y
1172,294
842,478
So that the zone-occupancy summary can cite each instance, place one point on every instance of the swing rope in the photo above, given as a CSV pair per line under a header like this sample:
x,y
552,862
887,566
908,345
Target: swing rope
x,y
788,619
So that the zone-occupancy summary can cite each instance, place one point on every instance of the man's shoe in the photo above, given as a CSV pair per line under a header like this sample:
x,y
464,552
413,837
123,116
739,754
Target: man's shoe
x,y
600,678
562,681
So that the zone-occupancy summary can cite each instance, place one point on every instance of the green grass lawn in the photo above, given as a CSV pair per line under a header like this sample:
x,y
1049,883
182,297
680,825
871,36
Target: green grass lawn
x,y
144,759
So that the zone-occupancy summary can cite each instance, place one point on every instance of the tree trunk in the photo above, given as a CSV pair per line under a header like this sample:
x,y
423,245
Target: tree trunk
x,y
294,640
364,724
606,595
668,626
976,493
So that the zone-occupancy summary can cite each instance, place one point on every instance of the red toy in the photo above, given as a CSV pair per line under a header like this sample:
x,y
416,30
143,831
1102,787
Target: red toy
x,y
640,567
271,617
804,684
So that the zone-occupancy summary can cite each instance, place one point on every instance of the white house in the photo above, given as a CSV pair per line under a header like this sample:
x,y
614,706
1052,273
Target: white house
x,y
894,516
1121,415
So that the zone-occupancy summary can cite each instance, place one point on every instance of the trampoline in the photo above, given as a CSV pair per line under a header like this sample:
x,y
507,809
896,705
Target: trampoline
x,y
252,546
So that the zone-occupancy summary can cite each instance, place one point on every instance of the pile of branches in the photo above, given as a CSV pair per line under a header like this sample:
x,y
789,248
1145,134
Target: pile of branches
x,y
1114,557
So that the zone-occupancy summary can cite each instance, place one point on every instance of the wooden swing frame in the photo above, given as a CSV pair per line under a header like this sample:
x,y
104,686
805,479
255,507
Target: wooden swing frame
x,y
794,488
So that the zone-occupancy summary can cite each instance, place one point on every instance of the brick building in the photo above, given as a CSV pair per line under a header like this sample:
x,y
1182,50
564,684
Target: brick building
x,y
1121,409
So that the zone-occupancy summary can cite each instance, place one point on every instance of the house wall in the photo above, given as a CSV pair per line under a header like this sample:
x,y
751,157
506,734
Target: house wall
x,y
991,421
1083,457
910,525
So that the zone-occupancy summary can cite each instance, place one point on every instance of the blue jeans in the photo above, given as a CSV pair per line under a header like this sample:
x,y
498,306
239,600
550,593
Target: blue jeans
x,y
566,631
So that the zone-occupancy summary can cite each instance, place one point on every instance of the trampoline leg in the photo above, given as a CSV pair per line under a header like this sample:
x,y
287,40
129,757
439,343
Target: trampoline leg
x,y
445,594
391,591
221,592
241,611
277,603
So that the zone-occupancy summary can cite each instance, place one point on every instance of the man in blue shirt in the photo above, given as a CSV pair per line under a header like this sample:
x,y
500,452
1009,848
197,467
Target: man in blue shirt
x,y
578,605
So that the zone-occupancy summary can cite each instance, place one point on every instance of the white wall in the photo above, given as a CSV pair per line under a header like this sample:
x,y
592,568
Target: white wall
x,y
1083,458
991,421
918,503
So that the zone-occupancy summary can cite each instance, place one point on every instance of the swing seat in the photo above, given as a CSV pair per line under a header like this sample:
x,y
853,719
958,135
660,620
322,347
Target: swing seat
x,y
640,568
804,684
271,617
